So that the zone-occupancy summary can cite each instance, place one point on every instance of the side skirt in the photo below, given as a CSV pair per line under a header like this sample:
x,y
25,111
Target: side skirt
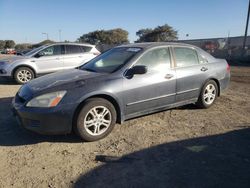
x,y
159,109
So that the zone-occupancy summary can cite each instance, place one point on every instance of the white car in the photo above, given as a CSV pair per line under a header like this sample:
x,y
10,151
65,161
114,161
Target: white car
x,y
47,59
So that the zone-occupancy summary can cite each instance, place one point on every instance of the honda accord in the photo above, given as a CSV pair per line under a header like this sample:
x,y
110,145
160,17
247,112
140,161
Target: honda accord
x,y
125,82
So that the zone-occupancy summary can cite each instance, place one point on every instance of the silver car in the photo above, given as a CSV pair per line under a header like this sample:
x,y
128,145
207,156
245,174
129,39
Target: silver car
x,y
47,59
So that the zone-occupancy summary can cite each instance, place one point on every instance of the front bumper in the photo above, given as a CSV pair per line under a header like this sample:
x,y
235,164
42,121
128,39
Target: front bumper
x,y
52,121
3,72
5,69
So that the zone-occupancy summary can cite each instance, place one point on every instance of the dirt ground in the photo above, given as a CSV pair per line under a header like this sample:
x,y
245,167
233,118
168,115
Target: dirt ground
x,y
182,147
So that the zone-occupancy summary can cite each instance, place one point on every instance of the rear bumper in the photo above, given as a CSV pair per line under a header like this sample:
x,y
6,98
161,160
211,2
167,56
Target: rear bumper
x,y
224,83
49,121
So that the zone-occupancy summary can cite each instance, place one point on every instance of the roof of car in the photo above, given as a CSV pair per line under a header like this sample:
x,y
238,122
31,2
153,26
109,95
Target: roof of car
x,y
73,43
154,44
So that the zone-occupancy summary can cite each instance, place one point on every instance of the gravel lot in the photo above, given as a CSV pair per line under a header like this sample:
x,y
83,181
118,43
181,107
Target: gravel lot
x,y
183,147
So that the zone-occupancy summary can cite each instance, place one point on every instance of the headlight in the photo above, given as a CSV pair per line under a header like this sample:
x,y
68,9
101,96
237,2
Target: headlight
x,y
47,100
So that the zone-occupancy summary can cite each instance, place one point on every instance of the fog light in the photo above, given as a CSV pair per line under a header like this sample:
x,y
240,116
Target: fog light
x,y
2,71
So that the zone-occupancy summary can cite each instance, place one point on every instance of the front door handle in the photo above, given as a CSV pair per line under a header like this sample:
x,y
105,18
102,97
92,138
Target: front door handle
x,y
169,76
204,69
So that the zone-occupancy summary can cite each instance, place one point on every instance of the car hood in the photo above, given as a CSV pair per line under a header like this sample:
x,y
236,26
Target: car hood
x,y
63,79
11,59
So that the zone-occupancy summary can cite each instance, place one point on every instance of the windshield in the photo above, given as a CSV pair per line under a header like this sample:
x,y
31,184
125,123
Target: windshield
x,y
34,51
111,60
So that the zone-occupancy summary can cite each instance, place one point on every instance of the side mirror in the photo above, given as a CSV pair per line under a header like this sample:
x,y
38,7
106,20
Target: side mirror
x,y
138,69
39,54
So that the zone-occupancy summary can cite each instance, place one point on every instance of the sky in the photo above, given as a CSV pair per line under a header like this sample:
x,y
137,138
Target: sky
x,y
26,20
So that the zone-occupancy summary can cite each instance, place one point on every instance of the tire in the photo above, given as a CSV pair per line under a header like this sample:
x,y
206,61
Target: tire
x,y
23,75
96,119
208,94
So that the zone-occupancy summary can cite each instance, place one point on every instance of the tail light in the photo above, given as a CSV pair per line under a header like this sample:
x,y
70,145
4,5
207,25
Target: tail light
x,y
228,68
96,53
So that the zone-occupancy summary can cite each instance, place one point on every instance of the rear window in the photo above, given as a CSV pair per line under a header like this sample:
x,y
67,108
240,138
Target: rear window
x,y
73,49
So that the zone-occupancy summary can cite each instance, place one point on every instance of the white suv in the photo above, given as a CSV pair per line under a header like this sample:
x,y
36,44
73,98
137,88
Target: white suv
x,y
47,59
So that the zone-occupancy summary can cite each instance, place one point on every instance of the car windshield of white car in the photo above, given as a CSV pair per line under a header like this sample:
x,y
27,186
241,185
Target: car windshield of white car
x,y
34,51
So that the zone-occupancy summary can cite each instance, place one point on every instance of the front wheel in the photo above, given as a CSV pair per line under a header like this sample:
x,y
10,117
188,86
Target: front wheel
x,y
23,75
208,94
96,119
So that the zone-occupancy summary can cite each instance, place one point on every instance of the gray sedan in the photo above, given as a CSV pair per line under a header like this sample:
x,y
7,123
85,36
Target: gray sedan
x,y
125,82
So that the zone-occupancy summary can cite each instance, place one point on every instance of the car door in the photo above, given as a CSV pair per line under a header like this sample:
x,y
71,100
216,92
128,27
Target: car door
x,y
75,56
191,73
49,59
155,89
88,53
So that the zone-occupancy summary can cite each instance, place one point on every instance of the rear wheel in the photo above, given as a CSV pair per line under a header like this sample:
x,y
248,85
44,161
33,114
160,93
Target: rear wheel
x,y
96,119
23,75
208,94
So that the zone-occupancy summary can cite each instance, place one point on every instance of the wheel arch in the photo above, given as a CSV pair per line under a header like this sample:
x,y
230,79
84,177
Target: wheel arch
x,y
216,81
19,66
107,97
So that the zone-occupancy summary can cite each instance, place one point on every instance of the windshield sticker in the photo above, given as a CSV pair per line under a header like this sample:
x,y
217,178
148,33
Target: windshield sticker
x,y
133,49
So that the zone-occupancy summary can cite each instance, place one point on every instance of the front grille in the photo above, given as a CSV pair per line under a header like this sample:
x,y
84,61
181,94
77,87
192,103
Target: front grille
x,y
34,123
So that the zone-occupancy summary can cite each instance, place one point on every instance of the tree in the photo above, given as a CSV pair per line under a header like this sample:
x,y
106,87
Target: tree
x,y
2,44
113,36
23,46
42,43
158,34
117,36
142,34
9,44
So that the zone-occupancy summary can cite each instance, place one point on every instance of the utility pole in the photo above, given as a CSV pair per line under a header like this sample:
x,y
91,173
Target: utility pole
x,y
60,38
245,37
228,40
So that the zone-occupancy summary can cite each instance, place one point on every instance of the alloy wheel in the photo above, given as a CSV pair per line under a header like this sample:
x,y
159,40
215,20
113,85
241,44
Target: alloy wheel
x,y
24,76
97,120
209,94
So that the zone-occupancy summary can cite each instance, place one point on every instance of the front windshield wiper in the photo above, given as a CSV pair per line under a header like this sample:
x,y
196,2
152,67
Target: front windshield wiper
x,y
88,69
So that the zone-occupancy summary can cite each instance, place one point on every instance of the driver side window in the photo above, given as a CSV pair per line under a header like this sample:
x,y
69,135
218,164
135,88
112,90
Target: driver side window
x,y
156,60
50,51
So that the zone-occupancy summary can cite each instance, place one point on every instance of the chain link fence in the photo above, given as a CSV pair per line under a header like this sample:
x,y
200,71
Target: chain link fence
x,y
229,48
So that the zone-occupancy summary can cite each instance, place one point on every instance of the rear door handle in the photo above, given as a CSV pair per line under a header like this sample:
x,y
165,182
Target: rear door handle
x,y
204,69
58,58
80,56
169,76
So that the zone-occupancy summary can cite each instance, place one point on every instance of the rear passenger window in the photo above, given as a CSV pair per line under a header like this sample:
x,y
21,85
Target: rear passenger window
x,y
185,57
202,59
156,59
73,49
